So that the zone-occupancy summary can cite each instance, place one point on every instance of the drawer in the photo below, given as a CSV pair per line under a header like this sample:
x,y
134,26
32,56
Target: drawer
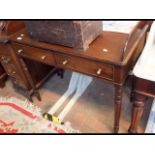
x,y
9,66
82,65
34,53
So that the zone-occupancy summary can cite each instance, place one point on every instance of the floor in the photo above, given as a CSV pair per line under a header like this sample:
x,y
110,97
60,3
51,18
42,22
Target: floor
x,y
93,112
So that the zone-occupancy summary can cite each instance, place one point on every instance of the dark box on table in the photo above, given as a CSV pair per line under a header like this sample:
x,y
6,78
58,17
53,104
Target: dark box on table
x,y
76,34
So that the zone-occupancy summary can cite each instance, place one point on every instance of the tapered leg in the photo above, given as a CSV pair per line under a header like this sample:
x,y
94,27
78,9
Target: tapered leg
x,y
118,104
29,96
137,111
38,95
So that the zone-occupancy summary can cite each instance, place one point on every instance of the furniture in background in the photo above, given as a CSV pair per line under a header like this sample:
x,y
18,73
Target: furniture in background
x,y
144,80
110,57
26,75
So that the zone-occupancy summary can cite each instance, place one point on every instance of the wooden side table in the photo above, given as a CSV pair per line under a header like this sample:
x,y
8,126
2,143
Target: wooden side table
x,y
110,57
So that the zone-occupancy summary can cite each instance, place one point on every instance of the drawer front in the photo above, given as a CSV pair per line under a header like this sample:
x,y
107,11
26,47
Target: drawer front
x,y
82,65
34,53
9,66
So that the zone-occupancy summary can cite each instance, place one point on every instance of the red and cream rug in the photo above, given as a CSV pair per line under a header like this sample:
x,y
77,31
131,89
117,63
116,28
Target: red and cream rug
x,y
17,116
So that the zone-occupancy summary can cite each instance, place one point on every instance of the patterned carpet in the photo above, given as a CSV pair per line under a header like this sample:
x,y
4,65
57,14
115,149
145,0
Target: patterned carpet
x,y
19,116
92,113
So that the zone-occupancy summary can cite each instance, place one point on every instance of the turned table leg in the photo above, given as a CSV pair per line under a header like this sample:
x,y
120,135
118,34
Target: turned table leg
x,y
137,111
37,95
118,104
29,96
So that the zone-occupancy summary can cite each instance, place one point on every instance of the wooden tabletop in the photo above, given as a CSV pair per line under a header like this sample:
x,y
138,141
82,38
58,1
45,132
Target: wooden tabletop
x,y
107,47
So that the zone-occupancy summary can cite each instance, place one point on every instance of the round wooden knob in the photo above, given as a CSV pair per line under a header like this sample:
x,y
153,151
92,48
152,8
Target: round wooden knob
x,y
105,50
65,62
13,72
99,71
43,57
19,38
20,51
